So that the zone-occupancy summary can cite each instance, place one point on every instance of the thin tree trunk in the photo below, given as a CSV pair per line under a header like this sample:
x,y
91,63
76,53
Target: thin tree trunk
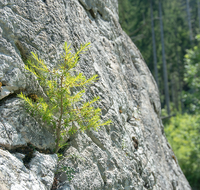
x,y
58,127
179,91
198,11
174,90
164,61
171,84
154,45
189,19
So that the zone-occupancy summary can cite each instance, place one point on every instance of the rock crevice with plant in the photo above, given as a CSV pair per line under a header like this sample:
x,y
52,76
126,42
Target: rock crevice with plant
x,y
62,106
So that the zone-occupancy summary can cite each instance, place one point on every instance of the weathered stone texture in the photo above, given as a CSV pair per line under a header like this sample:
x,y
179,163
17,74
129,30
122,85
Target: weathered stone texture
x,y
17,128
133,152
15,176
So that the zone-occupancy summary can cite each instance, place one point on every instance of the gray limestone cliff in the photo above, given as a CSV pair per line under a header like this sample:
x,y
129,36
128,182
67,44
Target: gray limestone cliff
x,y
132,153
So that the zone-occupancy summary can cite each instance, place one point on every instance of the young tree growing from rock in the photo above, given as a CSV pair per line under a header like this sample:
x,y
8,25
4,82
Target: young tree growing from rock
x,y
63,107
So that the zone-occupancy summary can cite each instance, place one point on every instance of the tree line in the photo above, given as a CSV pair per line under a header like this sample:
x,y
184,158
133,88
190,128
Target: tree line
x,y
163,31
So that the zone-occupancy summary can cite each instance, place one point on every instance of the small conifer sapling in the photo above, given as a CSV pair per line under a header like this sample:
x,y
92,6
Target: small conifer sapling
x,y
63,107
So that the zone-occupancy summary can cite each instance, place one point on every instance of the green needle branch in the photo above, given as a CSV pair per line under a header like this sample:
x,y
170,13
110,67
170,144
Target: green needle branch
x,y
62,108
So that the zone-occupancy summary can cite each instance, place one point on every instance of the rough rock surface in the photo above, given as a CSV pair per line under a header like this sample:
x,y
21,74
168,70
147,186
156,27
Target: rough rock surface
x,y
133,152
14,175
17,128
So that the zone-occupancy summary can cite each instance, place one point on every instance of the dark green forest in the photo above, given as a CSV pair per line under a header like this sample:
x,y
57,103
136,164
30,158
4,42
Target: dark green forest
x,y
168,35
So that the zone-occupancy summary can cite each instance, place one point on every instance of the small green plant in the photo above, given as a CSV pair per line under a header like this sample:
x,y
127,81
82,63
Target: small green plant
x,y
69,171
62,107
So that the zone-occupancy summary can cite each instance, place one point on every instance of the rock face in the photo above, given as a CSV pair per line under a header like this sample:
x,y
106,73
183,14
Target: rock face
x,y
131,153
14,175
17,128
